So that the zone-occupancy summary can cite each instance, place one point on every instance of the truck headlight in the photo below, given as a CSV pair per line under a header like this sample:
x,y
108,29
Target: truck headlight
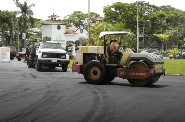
x,y
44,56
63,57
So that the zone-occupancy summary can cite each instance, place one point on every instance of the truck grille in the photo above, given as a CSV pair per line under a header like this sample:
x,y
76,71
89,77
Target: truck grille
x,y
54,55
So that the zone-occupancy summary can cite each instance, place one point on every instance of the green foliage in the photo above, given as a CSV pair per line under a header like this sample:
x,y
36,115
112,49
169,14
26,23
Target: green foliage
x,y
5,20
173,51
95,32
79,19
70,63
162,37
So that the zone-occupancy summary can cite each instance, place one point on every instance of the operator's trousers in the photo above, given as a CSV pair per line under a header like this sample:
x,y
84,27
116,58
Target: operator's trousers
x,y
119,55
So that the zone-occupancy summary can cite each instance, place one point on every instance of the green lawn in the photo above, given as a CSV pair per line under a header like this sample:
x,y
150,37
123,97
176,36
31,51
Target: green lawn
x,y
172,66
71,62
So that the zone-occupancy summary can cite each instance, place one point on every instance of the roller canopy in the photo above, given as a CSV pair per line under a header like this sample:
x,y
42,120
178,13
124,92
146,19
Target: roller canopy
x,y
107,33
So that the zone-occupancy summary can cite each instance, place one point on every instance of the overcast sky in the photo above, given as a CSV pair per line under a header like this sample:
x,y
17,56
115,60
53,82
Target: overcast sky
x,y
45,8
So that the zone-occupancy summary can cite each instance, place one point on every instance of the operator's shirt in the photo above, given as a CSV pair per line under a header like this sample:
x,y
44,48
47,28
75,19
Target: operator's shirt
x,y
113,47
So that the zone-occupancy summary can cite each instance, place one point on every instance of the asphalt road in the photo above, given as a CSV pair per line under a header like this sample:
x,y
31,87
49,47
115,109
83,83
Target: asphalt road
x,y
27,95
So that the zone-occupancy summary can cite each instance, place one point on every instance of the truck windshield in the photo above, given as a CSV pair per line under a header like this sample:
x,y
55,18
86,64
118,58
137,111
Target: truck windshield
x,y
51,45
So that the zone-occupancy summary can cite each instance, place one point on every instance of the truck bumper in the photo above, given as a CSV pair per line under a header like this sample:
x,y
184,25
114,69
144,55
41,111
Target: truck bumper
x,y
54,61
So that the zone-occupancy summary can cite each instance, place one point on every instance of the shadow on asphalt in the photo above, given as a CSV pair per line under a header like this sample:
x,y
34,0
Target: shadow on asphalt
x,y
52,70
127,84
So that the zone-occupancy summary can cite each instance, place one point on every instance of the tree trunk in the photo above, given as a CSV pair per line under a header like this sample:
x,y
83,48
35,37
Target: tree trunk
x,y
11,35
166,46
162,47
3,39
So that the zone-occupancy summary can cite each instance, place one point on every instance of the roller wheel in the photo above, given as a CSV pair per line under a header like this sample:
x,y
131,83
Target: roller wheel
x,y
138,82
94,72
152,80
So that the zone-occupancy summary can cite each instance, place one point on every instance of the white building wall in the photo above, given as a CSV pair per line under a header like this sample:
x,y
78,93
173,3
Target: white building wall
x,y
46,31
76,36
50,30
58,34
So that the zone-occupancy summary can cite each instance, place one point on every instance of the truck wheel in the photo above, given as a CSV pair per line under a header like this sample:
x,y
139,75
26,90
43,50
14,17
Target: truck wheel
x,y
94,72
38,66
11,57
19,59
64,67
30,63
27,61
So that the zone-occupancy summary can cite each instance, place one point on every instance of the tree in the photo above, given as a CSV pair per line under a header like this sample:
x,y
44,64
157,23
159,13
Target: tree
x,y
128,40
79,19
26,15
163,38
5,19
35,30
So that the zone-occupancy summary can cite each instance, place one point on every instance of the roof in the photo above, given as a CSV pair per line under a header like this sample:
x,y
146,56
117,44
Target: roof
x,y
113,33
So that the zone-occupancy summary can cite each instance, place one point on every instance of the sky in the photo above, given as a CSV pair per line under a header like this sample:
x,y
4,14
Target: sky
x,y
62,8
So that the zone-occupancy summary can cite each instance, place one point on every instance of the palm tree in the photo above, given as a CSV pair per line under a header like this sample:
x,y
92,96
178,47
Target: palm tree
x,y
26,15
163,38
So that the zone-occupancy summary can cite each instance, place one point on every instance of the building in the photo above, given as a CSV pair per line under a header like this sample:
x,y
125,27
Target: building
x,y
55,30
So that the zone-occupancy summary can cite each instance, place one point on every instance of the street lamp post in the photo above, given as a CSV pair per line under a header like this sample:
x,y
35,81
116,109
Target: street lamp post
x,y
88,22
18,35
137,30
143,36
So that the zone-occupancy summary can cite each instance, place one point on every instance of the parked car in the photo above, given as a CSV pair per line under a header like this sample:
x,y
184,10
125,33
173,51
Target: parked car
x,y
174,56
154,51
13,52
183,55
21,55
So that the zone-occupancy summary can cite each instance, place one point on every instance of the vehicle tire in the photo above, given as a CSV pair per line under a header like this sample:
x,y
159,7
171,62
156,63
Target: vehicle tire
x,y
94,72
183,56
19,59
27,61
30,64
108,79
11,57
64,67
38,66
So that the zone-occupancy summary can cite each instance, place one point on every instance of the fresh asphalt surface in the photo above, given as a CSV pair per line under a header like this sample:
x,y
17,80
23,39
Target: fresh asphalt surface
x,y
51,95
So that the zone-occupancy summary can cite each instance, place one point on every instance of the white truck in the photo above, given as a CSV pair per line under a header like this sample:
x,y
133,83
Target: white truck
x,y
50,54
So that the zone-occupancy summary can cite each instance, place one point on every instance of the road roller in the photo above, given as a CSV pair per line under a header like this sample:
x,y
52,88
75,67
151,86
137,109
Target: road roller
x,y
99,66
